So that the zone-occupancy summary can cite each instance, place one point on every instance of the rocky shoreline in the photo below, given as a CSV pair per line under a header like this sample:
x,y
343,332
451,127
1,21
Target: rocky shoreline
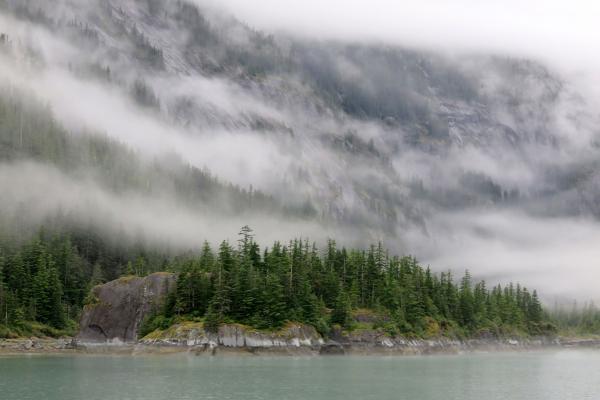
x,y
38,346
295,340
111,321
304,339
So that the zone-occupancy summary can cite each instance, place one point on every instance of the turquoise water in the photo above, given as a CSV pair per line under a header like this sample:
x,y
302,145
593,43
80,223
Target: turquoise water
x,y
559,375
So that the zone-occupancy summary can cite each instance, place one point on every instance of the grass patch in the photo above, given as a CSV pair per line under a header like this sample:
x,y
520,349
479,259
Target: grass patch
x,y
126,279
36,329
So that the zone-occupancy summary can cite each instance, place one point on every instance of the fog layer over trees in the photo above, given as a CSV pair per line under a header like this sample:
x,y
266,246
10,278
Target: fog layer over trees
x,y
167,123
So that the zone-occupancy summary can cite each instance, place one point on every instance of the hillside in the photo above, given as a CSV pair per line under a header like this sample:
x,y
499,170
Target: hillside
x,y
374,137
132,131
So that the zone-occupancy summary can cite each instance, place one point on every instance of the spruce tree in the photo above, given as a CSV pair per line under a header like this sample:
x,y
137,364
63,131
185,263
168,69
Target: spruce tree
x,y
341,312
466,301
47,292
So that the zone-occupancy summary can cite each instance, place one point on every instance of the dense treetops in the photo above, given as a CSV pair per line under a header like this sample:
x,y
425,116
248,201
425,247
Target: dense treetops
x,y
297,282
576,320
47,280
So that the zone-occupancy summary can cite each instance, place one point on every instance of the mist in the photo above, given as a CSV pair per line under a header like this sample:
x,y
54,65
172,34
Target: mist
x,y
535,29
480,155
46,192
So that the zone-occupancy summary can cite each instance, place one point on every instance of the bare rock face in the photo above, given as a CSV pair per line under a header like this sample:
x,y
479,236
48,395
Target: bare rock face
x,y
120,306
192,334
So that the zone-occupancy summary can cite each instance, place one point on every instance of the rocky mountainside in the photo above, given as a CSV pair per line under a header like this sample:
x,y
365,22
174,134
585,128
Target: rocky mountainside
x,y
370,141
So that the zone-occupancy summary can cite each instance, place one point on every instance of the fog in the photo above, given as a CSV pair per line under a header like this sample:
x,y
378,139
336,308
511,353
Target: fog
x,y
551,30
46,191
556,254
503,182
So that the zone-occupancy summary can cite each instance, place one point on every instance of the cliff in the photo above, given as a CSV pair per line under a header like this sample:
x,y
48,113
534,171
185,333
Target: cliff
x,y
192,336
303,339
119,307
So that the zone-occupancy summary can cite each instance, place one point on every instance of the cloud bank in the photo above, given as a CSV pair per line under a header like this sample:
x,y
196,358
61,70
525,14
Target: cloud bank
x,y
552,30
492,168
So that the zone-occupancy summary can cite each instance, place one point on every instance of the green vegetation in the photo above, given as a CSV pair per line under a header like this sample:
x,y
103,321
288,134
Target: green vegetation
x,y
42,281
577,321
48,280
35,329
28,130
45,276
353,289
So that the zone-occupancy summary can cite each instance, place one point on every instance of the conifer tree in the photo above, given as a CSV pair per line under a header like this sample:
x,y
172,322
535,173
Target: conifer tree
x,y
466,301
47,292
341,312
292,282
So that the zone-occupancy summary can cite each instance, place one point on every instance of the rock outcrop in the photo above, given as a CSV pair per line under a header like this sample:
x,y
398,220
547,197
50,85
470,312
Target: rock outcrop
x,y
297,338
232,336
37,345
119,307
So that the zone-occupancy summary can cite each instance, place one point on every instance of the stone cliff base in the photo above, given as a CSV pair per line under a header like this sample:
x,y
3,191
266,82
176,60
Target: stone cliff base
x,y
294,339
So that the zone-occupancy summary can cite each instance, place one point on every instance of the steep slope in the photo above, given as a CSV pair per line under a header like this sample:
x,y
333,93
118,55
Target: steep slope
x,y
375,141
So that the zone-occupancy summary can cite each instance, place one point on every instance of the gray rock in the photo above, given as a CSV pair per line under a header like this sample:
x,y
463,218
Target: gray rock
x,y
332,348
120,307
189,334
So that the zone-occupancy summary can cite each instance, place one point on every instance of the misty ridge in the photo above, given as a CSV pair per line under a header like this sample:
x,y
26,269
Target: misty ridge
x,y
167,123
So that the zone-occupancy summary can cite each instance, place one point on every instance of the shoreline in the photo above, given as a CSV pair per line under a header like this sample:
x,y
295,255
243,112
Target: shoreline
x,y
70,346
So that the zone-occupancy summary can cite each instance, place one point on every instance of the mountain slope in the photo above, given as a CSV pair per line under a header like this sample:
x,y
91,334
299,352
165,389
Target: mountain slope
x,y
366,141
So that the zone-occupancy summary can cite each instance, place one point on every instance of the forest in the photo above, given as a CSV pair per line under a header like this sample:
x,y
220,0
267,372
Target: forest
x,y
47,280
46,273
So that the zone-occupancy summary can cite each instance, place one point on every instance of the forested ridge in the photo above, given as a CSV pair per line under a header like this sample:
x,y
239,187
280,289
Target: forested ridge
x,y
29,131
48,280
50,260
46,274
295,281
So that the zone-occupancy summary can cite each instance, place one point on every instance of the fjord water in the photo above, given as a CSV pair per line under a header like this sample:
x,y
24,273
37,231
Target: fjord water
x,y
550,375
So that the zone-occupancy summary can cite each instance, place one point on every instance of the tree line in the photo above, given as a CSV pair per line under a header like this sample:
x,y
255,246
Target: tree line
x,y
577,320
297,282
288,281
48,279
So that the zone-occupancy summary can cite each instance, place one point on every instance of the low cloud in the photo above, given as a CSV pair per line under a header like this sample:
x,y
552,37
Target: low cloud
x,y
45,192
558,256
507,188
554,30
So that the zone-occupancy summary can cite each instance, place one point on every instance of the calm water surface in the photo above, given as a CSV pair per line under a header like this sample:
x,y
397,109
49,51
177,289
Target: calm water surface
x,y
557,375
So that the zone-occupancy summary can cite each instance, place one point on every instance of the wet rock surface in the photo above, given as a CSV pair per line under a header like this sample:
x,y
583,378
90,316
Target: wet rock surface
x,y
120,306
36,345
294,339
234,336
